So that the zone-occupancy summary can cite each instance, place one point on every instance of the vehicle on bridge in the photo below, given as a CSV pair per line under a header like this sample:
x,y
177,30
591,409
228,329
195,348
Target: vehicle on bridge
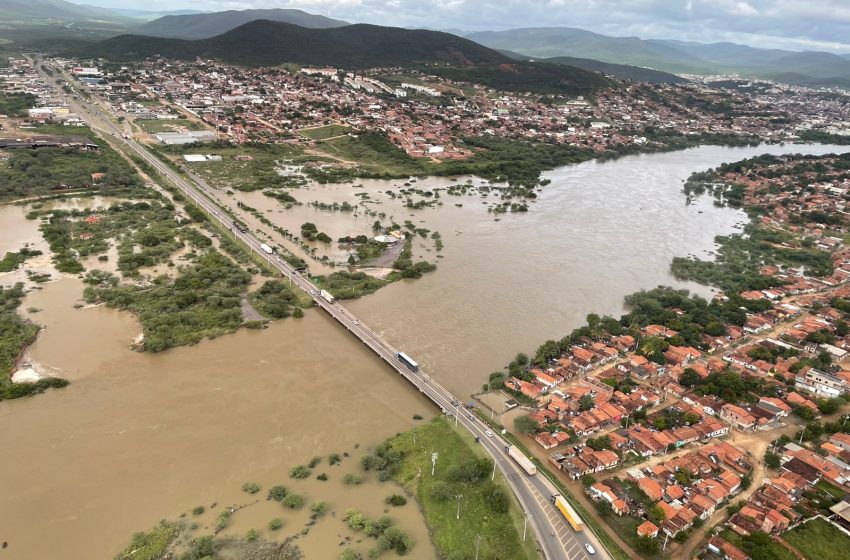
x,y
527,465
327,296
568,512
407,361
266,248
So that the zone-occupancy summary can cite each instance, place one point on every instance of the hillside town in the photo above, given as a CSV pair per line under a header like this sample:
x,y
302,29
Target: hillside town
x,y
428,116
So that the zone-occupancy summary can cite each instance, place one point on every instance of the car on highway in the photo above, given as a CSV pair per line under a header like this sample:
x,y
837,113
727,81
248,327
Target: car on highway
x,y
590,549
488,433
356,322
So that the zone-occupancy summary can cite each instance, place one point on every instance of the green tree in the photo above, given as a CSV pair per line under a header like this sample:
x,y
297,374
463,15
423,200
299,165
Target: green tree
x,y
441,491
772,460
655,514
689,378
525,424
647,545
277,493
586,402
600,443
293,501
496,499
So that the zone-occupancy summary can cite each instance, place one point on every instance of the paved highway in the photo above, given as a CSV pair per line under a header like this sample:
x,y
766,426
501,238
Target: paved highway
x,y
556,537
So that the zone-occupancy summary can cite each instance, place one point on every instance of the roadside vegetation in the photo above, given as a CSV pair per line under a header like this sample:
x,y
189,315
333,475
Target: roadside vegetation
x,y
462,476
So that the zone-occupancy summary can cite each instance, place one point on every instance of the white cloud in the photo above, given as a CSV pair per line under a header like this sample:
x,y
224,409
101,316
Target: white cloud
x,y
744,9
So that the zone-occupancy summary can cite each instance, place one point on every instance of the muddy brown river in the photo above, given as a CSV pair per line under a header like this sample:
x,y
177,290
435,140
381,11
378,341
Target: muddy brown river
x,y
139,437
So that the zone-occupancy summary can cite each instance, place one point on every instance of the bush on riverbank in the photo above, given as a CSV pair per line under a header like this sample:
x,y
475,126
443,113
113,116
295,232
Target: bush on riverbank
x,y
274,300
202,302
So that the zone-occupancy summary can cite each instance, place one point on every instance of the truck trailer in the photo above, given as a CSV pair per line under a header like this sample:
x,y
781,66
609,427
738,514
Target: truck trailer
x,y
407,361
568,512
523,461
266,248
327,296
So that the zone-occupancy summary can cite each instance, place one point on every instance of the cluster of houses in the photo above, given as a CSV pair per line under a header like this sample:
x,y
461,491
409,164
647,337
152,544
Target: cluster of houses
x,y
773,508
270,104
686,488
20,77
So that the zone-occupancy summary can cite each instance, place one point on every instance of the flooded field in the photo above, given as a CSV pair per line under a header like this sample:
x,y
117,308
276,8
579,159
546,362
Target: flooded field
x,y
140,437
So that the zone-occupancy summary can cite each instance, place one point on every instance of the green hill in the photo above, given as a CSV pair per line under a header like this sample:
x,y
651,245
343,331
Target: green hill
x,y
537,77
45,11
270,43
206,25
622,71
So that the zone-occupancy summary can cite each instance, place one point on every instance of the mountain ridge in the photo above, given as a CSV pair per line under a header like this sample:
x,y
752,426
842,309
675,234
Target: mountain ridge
x,y
269,43
668,55
208,25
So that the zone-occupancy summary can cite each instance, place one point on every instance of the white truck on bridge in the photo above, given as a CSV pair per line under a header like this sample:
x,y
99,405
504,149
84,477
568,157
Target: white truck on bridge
x,y
327,296
527,465
266,248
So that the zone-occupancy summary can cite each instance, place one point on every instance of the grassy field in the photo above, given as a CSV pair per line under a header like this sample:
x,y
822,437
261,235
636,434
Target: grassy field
x,y
456,539
818,540
169,126
325,132
761,544
229,173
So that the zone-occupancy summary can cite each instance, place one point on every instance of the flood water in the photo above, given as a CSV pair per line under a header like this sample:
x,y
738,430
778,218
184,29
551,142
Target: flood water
x,y
598,232
139,437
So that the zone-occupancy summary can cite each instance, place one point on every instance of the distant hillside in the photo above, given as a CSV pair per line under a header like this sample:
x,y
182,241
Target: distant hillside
x,y
548,42
673,56
622,71
150,15
536,77
40,11
270,43
206,25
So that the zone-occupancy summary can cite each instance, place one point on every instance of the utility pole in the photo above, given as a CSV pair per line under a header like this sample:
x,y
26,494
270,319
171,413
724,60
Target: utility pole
x,y
477,544
493,476
459,497
524,525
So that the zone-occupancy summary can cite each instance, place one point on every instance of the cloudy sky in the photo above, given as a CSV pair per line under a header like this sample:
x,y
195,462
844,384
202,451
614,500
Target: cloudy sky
x,y
790,24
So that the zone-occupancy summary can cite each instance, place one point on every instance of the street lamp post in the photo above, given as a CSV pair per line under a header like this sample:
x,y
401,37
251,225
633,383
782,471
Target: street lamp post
x,y
459,497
